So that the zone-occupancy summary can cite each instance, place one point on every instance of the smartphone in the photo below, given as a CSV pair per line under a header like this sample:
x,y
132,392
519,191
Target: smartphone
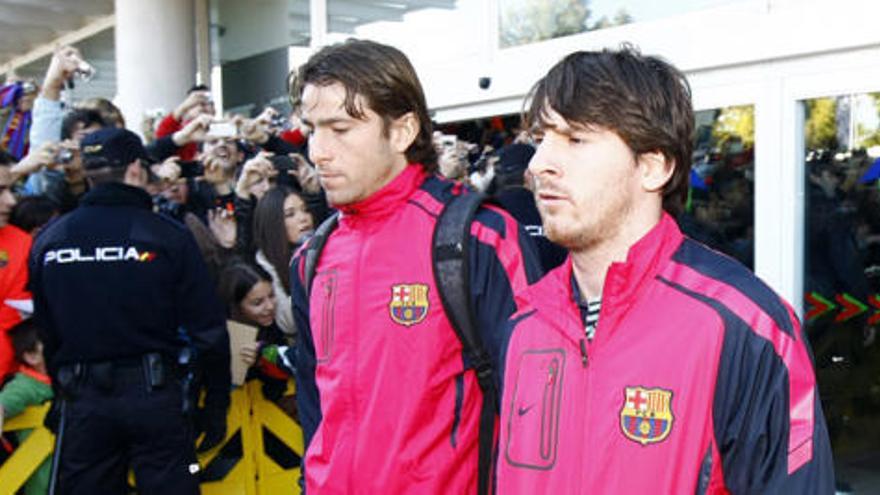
x,y
283,163
222,129
191,169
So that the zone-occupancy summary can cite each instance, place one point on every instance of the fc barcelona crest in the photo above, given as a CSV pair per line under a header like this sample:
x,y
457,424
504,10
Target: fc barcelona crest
x,y
646,416
409,303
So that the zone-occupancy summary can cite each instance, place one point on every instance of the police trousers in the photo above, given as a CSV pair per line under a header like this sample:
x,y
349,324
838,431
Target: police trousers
x,y
115,420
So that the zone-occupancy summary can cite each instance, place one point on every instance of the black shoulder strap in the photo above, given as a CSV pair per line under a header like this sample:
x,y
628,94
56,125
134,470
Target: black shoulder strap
x,y
449,254
452,275
313,250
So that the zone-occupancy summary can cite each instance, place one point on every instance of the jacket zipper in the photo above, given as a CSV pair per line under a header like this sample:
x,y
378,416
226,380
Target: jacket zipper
x,y
584,448
585,361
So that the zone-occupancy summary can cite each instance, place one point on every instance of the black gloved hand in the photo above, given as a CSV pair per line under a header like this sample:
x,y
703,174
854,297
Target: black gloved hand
x,y
212,423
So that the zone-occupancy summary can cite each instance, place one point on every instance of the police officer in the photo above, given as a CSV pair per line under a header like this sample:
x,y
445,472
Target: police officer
x,y
113,285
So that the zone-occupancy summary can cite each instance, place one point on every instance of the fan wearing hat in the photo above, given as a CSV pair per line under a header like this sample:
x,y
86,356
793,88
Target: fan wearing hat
x,y
113,283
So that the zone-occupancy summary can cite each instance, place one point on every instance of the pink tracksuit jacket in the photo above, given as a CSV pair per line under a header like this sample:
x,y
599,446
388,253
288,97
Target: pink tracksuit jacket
x,y
698,380
386,400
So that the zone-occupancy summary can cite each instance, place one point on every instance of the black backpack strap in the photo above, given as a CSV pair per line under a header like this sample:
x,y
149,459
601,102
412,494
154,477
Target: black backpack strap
x,y
452,275
314,248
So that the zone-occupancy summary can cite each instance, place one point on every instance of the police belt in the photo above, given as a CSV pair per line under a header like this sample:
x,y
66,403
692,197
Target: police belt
x,y
155,369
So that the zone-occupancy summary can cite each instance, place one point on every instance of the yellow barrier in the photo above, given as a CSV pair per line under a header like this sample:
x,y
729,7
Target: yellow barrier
x,y
250,417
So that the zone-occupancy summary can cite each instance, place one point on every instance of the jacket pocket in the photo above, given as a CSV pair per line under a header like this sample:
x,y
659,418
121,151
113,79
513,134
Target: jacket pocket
x,y
533,417
326,314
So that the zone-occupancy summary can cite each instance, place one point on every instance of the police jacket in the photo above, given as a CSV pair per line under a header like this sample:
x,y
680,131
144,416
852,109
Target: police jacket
x,y
698,380
112,280
385,399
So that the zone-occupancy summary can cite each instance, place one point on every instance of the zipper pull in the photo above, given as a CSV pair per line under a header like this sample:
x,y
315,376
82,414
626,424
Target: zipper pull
x,y
584,358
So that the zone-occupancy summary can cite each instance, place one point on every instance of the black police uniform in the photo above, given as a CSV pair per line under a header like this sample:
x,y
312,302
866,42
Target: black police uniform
x,y
112,284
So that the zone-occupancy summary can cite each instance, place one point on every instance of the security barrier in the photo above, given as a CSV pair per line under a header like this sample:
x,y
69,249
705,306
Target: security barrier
x,y
259,456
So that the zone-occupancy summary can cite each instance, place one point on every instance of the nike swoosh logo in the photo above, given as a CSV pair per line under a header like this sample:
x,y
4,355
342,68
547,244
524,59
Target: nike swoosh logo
x,y
523,410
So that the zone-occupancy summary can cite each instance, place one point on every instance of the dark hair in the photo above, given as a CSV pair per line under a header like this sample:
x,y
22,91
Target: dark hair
x,y
643,99
24,338
109,112
197,87
6,160
236,280
32,212
270,236
84,116
380,74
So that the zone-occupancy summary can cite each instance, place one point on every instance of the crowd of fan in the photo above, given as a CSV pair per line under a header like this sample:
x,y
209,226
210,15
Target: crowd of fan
x,y
243,186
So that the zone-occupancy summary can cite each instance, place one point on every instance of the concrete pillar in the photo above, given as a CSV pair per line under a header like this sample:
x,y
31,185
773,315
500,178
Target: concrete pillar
x,y
155,56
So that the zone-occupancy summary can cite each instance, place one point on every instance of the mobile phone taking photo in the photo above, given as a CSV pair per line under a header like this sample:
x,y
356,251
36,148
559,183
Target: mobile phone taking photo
x,y
191,169
222,129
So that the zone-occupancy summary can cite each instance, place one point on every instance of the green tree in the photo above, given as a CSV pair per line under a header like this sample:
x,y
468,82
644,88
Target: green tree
x,y
620,18
735,124
821,127
529,21
870,137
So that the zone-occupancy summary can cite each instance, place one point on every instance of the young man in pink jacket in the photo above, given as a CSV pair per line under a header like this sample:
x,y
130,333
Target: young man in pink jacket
x,y
647,363
387,399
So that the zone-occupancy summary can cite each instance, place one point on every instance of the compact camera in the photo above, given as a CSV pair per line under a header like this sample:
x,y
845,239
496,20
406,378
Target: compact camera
x,y
64,156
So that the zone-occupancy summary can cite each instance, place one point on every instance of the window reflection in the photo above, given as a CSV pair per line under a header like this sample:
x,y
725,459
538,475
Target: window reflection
x,y
529,21
842,272
720,207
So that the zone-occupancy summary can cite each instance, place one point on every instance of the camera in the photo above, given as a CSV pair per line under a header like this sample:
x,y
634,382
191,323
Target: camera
x,y
484,82
279,121
283,163
222,129
167,207
448,141
28,87
64,156
191,169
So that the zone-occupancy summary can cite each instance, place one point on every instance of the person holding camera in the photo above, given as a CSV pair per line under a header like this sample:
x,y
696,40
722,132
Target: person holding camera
x,y
48,111
197,102
114,285
55,170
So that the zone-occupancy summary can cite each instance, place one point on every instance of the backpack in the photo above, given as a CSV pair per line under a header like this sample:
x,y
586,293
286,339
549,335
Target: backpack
x,y
449,256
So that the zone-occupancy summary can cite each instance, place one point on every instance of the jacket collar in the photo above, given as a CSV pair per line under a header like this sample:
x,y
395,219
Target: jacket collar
x,y
626,280
623,282
391,197
117,194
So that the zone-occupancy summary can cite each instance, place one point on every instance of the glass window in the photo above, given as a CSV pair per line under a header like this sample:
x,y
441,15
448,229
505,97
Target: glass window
x,y
720,207
530,21
842,274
